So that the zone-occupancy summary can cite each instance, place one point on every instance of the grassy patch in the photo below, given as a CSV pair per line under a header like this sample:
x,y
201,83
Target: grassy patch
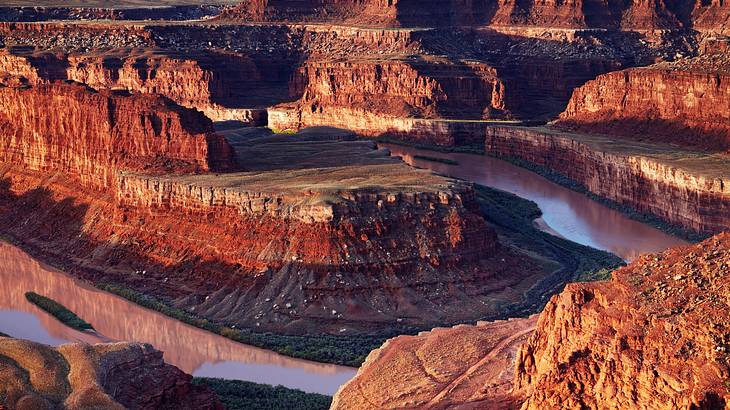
x,y
285,132
347,351
240,395
513,218
435,159
468,149
58,311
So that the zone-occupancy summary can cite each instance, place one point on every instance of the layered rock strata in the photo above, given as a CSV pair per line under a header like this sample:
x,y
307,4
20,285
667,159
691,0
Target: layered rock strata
x,y
627,15
320,233
682,187
654,336
80,376
685,103
95,134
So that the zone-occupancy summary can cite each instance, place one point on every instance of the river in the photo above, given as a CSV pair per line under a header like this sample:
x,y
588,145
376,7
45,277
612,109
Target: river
x,y
565,213
193,350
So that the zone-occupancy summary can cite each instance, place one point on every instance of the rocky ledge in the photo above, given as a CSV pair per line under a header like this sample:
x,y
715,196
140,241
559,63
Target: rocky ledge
x,y
682,187
655,335
110,376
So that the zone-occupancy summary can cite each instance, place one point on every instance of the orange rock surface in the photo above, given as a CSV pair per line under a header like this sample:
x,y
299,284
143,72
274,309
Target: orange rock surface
x,y
655,336
684,103
80,376
93,135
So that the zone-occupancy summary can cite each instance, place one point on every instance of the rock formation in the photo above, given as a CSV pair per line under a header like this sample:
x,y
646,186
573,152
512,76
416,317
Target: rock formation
x,y
654,336
681,187
574,14
685,102
286,245
79,376
96,134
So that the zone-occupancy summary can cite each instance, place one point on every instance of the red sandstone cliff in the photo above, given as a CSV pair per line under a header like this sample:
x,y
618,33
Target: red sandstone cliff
x,y
92,134
110,376
686,103
681,187
656,336
628,15
283,246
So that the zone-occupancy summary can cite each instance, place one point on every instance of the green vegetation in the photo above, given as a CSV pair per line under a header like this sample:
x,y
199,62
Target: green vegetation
x,y
347,351
4,335
435,159
649,219
240,395
513,218
58,311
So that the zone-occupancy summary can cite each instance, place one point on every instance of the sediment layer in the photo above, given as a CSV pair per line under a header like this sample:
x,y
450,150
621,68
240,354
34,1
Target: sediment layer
x,y
101,133
684,103
681,187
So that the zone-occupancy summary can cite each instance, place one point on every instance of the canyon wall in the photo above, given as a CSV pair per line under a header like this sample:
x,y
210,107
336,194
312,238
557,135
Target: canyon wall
x,y
573,14
685,103
78,376
691,192
430,101
100,133
656,335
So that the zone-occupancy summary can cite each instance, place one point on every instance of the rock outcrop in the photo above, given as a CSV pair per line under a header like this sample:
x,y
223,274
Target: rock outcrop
x,y
461,367
684,103
681,187
95,134
79,376
655,336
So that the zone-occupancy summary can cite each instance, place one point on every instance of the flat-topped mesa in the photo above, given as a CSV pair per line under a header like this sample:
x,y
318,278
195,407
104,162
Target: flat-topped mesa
x,y
685,102
110,376
656,335
92,135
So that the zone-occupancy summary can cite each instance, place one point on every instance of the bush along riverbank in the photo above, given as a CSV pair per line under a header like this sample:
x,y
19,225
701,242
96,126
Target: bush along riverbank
x,y
58,311
240,395
346,351
513,219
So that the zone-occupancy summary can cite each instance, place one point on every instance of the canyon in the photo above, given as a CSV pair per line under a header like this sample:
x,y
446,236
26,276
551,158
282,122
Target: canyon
x,y
654,336
236,167
78,376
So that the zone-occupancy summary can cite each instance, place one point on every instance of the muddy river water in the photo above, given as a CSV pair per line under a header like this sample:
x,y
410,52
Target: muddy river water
x,y
201,353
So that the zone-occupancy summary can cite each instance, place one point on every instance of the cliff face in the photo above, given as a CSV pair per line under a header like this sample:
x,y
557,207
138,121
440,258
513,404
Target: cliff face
x,y
100,133
685,188
657,334
409,99
76,376
683,103
575,14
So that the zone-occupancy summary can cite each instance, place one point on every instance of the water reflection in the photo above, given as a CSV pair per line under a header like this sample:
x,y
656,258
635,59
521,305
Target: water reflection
x,y
193,350
565,212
